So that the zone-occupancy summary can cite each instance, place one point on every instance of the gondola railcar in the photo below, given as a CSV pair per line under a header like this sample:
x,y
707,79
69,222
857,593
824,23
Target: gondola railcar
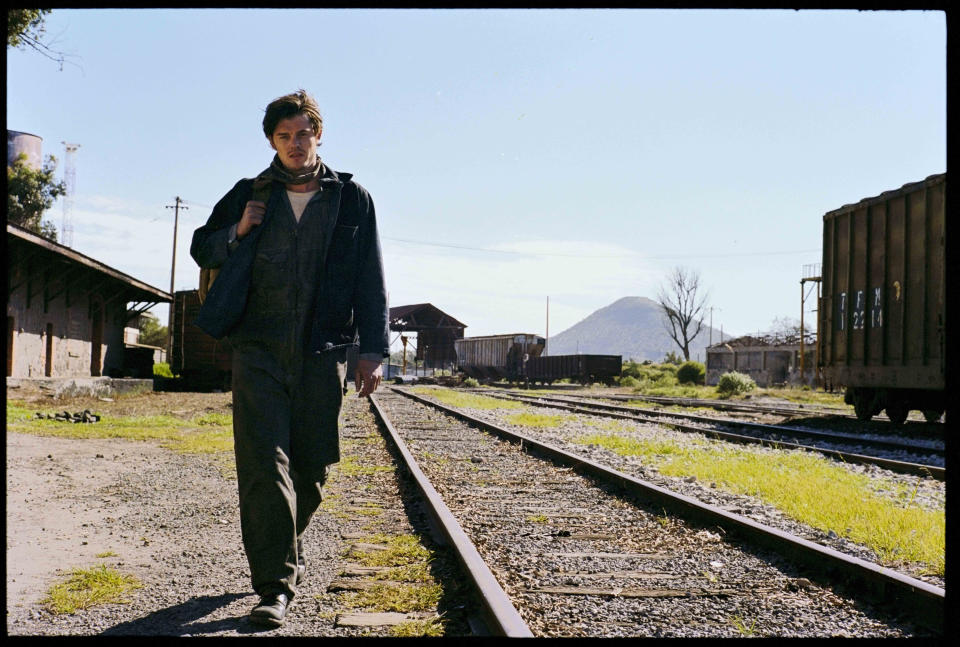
x,y
882,320
585,369
497,357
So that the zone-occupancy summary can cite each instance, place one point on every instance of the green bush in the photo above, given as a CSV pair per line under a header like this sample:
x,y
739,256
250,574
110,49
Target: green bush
x,y
648,375
471,382
162,370
691,372
629,381
674,358
734,383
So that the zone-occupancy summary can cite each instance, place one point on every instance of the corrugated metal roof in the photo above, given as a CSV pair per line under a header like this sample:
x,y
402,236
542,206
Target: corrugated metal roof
x,y
421,316
886,195
141,289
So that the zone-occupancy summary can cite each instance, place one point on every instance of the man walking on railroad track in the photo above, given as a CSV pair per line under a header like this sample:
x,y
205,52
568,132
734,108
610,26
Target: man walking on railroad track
x,y
315,287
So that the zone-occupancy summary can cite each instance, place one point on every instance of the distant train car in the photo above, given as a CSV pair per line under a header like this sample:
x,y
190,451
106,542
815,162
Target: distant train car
x,y
497,357
585,369
882,320
203,362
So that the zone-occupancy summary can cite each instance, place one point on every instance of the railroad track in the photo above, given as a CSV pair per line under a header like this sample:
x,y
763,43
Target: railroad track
x,y
823,411
568,547
924,457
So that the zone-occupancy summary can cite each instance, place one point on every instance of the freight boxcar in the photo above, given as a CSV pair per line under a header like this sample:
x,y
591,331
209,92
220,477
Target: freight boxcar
x,y
882,321
585,369
497,357
203,362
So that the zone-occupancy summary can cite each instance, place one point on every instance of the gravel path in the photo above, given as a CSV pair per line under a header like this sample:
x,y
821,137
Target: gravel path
x,y
172,521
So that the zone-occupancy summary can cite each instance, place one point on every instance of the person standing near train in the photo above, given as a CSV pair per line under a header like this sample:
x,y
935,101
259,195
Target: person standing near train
x,y
316,287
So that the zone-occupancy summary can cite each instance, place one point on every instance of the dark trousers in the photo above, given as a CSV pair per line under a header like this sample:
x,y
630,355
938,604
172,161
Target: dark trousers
x,y
285,429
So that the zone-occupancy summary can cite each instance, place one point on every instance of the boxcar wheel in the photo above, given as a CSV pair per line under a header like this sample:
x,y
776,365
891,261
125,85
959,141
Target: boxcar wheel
x,y
897,412
863,405
932,415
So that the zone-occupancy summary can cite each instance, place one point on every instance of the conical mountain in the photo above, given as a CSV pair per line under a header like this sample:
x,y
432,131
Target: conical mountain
x,y
632,327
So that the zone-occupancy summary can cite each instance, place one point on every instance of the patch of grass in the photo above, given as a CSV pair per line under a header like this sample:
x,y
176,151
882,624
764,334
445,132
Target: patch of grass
x,y
627,446
403,598
218,419
88,587
211,433
401,551
678,391
415,628
105,554
804,396
808,488
606,425
465,400
535,420
740,625
350,466
538,518
368,510
436,458
415,572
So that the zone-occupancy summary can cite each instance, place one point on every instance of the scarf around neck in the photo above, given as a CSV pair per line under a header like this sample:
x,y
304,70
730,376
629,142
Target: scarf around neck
x,y
277,171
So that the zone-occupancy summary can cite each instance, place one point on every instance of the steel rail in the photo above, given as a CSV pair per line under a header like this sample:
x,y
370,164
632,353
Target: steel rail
x,y
731,406
903,467
923,602
820,412
810,433
502,616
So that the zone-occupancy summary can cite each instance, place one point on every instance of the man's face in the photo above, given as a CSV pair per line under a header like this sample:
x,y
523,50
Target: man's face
x,y
295,142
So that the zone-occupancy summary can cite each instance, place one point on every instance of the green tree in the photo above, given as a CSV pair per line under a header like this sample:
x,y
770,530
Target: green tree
x,y
25,29
30,192
24,26
151,332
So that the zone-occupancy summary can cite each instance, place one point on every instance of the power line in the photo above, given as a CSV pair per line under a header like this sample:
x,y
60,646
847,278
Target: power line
x,y
632,255
196,204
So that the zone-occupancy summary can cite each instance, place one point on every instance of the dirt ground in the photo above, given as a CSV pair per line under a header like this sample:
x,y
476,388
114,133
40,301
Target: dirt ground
x,y
42,536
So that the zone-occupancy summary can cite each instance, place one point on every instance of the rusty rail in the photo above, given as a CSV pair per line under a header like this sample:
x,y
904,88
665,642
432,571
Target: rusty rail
x,y
922,602
614,411
502,618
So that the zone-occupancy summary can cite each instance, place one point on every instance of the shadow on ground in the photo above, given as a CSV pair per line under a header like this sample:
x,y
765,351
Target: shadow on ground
x,y
185,619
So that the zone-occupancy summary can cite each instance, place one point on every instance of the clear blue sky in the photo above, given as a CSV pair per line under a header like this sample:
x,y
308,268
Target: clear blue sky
x,y
513,155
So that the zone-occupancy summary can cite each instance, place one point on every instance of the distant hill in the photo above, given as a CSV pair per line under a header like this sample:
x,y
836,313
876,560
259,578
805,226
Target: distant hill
x,y
632,327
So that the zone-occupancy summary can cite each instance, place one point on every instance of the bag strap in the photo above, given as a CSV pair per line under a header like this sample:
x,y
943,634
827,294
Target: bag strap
x,y
349,204
261,193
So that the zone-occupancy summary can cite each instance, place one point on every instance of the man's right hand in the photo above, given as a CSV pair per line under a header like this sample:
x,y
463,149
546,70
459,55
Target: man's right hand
x,y
252,216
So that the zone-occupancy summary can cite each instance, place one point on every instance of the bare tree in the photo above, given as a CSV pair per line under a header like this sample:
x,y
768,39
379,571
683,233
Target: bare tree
x,y
683,309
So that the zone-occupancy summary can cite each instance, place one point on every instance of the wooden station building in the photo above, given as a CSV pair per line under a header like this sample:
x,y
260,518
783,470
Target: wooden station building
x,y
66,312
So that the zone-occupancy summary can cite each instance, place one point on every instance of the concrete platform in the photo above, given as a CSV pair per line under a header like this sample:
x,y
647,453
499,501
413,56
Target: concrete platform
x,y
65,387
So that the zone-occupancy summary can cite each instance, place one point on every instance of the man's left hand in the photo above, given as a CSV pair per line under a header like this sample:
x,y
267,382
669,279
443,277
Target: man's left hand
x,y
368,376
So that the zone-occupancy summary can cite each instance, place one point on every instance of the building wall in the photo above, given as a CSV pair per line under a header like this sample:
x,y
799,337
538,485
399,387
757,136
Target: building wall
x,y
72,335
766,365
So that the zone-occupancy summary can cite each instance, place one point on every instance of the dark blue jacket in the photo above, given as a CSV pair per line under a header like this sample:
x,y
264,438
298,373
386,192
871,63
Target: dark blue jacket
x,y
350,301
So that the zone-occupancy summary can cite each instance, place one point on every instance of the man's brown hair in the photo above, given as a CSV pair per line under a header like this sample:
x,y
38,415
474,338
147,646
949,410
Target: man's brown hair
x,y
291,105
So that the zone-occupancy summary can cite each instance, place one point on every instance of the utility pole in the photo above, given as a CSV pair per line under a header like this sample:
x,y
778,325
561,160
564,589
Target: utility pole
x,y
810,273
173,270
546,340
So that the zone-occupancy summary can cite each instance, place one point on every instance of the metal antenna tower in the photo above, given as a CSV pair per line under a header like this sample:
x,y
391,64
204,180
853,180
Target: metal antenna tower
x,y
70,182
